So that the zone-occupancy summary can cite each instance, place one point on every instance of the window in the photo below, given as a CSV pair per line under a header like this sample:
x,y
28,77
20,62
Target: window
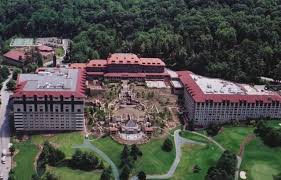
x,y
78,110
18,110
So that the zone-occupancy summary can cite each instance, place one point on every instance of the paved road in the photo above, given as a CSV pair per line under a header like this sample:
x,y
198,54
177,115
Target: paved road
x,y
88,145
5,128
179,141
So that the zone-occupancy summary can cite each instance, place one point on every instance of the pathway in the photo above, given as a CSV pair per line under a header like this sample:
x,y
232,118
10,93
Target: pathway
x,y
88,145
179,141
239,159
209,138
246,140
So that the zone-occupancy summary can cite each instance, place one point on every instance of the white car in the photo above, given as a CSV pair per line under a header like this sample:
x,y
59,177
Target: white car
x,y
3,159
4,152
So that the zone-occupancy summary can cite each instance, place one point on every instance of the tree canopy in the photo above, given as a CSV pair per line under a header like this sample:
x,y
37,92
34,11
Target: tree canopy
x,y
237,40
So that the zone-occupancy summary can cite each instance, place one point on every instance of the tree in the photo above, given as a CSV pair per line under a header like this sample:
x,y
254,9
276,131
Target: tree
x,y
12,149
224,169
16,71
4,72
125,158
35,177
54,60
213,129
106,174
84,160
50,155
167,145
50,176
277,177
11,85
196,169
12,175
125,173
38,59
125,152
135,152
141,176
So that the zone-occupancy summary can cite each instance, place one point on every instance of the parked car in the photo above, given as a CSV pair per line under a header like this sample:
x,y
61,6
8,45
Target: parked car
x,y
3,159
4,152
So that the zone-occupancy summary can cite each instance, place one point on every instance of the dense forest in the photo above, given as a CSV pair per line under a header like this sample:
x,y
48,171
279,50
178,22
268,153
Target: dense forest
x,y
233,39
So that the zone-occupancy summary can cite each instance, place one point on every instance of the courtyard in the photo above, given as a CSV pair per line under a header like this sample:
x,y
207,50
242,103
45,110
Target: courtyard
x,y
130,112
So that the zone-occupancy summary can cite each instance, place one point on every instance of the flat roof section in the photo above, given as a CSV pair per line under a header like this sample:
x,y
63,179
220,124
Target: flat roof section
x,y
216,86
204,89
176,84
51,81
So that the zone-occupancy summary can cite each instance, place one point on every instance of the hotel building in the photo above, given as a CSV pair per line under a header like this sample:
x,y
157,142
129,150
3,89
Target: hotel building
x,y
51,99
209,100
124,66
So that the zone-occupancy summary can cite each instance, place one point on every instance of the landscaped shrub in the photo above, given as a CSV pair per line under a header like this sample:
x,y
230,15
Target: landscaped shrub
x,y
84,160
269,135
142,175
213,129
167,145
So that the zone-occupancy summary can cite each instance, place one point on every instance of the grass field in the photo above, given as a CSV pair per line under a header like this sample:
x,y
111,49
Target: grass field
x,y
63,141
28,151
260,161
59,51
65,173
153,161
193,137
24,160
203,156
231,137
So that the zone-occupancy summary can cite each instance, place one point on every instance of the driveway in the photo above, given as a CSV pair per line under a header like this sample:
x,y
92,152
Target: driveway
x,y
5,127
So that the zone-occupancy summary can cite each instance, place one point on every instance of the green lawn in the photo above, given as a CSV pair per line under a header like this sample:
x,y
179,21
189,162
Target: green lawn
x,y
193,137
109,147
27,152
203,156
260,161
65,173
24,159
59,51
231,137
153,161
63,141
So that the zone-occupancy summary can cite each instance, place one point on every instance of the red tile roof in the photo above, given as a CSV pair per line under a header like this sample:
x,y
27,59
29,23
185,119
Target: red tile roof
x,y
152,62
77,65
97,63
45,48
15,55
199,96
123,58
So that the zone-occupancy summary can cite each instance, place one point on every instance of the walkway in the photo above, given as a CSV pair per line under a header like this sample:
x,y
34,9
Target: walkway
x,y
239,159
88,145
179,141
209,138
